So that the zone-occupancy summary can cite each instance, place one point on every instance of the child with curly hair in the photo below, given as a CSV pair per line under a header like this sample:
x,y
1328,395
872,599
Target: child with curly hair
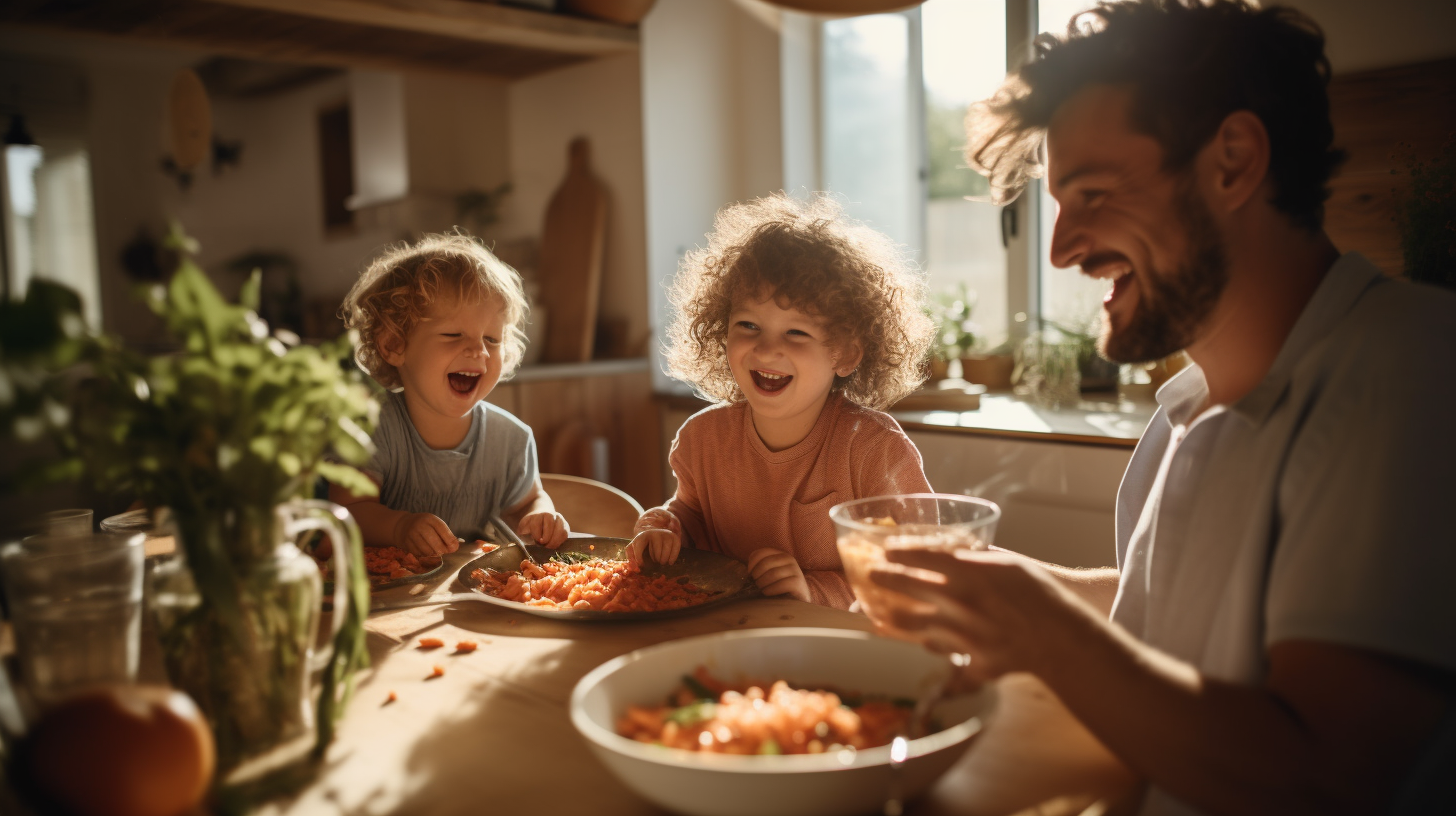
x,y
802,325
439,325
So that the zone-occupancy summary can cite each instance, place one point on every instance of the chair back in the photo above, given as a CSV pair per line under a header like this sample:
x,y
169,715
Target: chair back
x,y
591,506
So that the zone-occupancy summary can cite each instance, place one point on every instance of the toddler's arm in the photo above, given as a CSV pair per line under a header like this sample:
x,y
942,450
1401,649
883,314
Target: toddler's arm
x,y
419,533
657,533
535,517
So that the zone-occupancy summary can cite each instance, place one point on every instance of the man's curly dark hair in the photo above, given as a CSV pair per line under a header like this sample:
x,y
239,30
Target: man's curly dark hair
x,y
1189,65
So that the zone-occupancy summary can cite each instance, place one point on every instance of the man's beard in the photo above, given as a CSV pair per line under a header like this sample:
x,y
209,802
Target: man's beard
x,y
1173,307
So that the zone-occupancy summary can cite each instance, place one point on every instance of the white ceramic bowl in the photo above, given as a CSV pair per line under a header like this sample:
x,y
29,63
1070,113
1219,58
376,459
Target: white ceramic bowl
x,y
830,784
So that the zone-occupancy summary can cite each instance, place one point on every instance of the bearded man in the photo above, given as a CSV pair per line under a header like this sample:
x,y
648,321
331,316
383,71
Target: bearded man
x,y
1279,636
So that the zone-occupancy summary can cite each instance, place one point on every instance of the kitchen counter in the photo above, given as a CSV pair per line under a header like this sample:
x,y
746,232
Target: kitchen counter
x,y
1099,419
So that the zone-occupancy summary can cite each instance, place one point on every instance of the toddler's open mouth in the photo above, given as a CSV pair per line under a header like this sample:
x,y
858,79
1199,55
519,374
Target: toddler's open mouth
x,y
770,382
464,381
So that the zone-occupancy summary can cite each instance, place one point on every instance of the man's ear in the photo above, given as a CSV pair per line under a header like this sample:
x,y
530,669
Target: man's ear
x,y
391,348
847,359
1236,160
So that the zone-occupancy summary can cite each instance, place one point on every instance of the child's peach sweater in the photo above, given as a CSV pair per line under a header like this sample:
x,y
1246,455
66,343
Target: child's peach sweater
x,y
734,495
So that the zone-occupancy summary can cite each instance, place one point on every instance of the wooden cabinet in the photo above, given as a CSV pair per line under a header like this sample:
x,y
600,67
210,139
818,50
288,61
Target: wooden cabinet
x,y
594,420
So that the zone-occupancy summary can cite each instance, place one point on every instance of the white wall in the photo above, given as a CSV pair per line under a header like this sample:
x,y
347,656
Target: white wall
x,y
713,130
602,101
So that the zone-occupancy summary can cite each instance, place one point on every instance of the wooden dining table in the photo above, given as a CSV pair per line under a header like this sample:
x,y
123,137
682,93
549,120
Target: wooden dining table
x,y
435,731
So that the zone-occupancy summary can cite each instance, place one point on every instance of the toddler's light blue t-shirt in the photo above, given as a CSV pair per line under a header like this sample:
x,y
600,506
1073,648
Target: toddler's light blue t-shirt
x,y
491,470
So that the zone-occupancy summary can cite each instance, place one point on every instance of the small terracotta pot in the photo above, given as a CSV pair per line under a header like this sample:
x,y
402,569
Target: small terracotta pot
x,y
936,370
990,370
626,12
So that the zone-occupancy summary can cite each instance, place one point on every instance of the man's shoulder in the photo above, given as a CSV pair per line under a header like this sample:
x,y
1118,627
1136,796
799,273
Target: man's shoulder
x,y
1397,330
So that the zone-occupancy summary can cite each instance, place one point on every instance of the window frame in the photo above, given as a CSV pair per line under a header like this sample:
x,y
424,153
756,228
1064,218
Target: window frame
x,y
1021,220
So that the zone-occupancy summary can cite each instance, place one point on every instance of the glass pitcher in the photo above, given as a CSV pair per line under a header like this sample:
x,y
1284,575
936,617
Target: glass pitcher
x,y
244,643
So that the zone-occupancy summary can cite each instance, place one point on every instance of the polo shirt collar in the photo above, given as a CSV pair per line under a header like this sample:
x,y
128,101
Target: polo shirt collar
x,y
1183,394
1341,288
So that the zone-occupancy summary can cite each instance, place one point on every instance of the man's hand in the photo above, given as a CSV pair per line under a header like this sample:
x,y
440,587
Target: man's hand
x,y
661,546
777,573
547,528
424,534
1004,611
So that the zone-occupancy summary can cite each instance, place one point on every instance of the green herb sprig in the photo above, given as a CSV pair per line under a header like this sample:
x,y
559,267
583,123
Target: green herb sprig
x,y
234,423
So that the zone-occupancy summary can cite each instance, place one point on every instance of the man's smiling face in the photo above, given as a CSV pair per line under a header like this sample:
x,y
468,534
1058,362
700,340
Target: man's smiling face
x,y
1122,218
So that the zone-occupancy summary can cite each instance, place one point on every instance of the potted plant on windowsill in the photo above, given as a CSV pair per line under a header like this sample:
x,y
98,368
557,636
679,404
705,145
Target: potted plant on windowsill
x,y
228,434
992,368
1097,372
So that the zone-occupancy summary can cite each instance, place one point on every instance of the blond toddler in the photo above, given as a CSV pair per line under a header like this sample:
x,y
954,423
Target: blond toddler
x,y
439,325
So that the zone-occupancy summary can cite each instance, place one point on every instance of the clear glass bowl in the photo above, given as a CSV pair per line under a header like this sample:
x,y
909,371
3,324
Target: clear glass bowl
x,y
867,528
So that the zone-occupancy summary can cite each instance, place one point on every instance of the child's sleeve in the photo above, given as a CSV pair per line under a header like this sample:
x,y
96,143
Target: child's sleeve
x,y
686,503
522,470
383,460
829,588
892,467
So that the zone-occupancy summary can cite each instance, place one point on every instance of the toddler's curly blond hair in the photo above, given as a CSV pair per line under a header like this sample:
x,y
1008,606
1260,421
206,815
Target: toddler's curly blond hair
x,y
394,294
810,257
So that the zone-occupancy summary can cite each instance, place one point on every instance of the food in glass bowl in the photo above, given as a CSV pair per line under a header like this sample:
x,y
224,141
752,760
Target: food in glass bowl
x,y
767,718
867,529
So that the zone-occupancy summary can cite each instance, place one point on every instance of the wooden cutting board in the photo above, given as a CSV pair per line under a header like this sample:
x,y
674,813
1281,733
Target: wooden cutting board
x,y
570,264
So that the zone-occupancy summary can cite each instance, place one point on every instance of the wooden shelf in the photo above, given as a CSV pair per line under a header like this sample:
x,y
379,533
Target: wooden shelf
x,y
439,35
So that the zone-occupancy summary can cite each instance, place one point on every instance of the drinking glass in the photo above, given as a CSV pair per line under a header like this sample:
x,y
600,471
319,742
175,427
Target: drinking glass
x,y
75,521
160,537
869,528
75,605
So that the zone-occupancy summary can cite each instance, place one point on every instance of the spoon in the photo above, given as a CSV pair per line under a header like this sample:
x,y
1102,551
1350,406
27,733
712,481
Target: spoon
x,y
899,750
933,690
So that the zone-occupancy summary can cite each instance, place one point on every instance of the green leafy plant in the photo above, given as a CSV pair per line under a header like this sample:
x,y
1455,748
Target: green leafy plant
x,y
1426,213
955,333
236,422
1097,372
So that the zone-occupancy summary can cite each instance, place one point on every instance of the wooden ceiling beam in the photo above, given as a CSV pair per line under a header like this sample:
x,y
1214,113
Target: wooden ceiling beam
x,y
504,43
461,19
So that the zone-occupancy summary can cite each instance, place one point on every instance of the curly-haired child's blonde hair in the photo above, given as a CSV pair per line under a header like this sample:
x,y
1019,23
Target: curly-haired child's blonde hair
x,y
810,257
393,295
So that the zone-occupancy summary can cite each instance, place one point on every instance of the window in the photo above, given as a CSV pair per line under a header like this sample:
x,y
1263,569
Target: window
x,y
964,57
895,89
47,229
1067,298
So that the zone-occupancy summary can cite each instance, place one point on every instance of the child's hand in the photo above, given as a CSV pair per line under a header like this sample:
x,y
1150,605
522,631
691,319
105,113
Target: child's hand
x,y
424,534
658,518
661,545
546,528
777,573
